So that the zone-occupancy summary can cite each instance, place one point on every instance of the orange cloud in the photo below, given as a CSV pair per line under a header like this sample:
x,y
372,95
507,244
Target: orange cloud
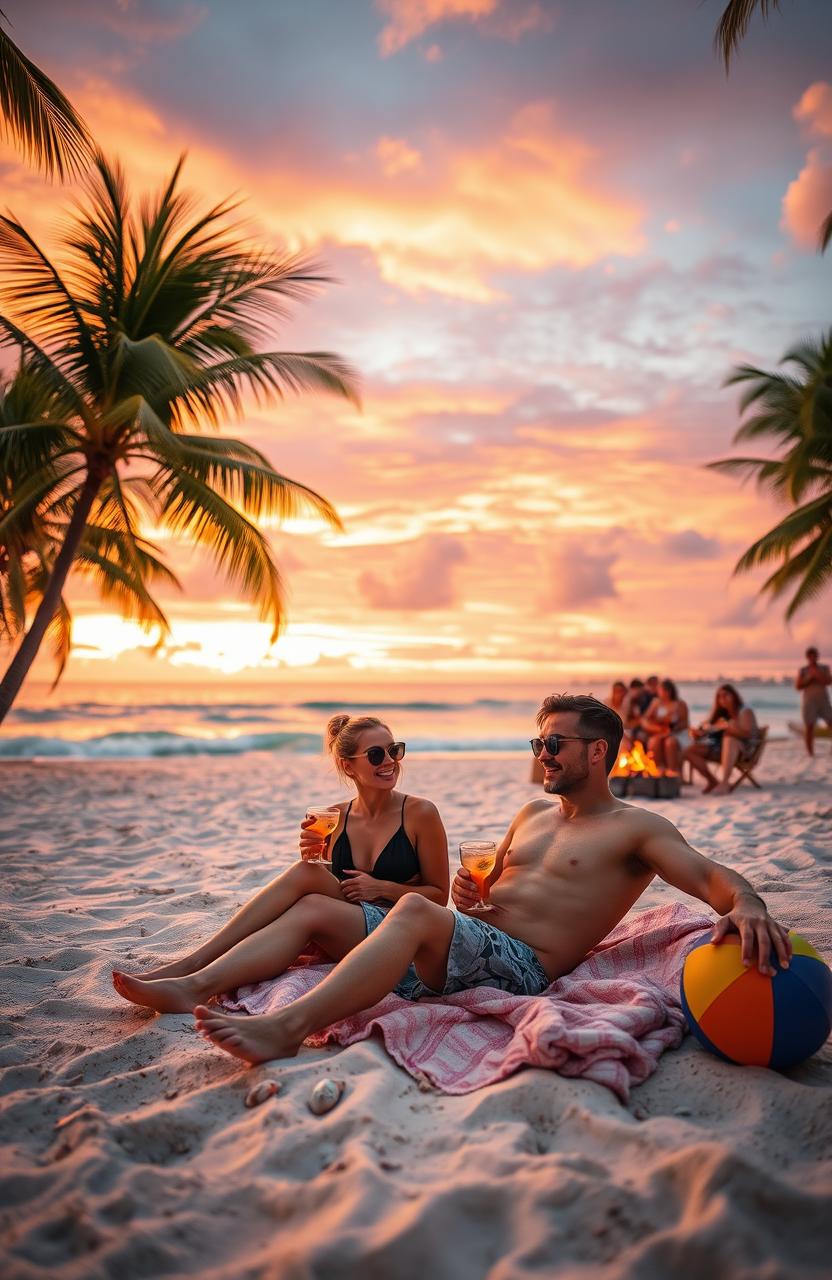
x,y
815,108
397,157
808,200
441,220
409,18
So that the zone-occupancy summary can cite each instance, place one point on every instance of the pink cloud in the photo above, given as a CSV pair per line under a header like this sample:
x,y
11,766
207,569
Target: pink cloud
x,y
579,577
423,581
808,200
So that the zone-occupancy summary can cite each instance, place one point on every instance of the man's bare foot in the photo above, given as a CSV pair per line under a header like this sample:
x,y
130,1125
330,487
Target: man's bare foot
x,y
165,995
256,1039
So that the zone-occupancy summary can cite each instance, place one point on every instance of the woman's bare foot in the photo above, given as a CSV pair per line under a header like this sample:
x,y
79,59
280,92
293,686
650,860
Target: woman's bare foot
x,y
176,969
255,1039
709,786
722,789
165,995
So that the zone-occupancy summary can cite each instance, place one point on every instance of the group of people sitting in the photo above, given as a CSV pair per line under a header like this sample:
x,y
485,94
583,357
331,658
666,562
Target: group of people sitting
x,y
657,717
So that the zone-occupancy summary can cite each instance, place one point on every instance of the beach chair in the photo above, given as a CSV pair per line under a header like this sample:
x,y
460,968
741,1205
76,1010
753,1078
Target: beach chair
x,y
746,767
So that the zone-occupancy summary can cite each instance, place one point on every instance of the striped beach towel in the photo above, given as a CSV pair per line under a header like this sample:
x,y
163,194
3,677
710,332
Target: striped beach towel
x,y
610,1020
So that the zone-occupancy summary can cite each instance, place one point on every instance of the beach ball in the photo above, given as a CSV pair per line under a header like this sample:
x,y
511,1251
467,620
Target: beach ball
x,y
744,1016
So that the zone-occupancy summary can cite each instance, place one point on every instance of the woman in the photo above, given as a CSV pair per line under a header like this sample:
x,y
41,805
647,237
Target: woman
x,y
386,844
666,722
729,732
618,700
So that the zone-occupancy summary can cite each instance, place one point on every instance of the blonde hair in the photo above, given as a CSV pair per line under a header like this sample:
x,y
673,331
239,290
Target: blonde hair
x,y
342,736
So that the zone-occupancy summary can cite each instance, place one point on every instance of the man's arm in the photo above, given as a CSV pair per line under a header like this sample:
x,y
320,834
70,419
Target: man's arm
x,y
741,910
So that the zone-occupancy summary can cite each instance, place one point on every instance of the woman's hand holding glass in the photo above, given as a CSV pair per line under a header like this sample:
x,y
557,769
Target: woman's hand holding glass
x,y
315,832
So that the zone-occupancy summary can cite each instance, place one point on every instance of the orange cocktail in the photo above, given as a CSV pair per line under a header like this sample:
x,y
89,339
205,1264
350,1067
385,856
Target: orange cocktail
x,y
479,857
324,821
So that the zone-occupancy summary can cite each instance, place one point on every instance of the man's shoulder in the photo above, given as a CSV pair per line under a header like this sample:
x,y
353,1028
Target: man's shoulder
x,y
644,822
534,808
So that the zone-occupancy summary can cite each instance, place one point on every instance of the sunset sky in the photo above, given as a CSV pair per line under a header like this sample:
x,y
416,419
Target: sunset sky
x,y
555,227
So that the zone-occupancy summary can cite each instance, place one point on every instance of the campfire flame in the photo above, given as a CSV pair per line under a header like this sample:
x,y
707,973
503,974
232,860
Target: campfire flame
x,y
634,761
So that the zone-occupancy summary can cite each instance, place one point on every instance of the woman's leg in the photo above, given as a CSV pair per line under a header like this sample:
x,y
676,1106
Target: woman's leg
x,y
672,755
655,746
336,926
731,748
268,905
697,758
415,931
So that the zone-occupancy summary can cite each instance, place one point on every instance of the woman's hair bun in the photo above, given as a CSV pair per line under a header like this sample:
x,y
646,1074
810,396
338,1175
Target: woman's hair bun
x,y
334,727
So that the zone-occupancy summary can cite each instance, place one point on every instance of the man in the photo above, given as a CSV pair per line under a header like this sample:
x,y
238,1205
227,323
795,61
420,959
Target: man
x,y
565,875
813,681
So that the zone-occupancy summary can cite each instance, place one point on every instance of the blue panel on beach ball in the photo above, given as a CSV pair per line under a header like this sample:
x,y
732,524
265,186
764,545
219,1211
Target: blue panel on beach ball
x,y
801,1024
817,977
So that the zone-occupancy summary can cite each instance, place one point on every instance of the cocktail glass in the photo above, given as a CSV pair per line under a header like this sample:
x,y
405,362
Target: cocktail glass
x,y
324,821
479,857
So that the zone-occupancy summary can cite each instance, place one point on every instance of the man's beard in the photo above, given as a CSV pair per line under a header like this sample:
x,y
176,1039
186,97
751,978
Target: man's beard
x,y
565,782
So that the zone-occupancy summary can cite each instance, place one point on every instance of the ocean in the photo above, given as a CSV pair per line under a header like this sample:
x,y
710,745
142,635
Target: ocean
x,y
107,721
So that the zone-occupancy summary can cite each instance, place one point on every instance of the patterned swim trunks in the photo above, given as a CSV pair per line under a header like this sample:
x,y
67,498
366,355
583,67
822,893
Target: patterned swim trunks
x,y
480,955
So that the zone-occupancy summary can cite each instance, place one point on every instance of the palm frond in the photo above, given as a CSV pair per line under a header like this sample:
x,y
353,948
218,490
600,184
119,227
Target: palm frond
x,y
59,638
119,584
734,23
825,233
217,391
243,476
34,290
192,509
790,531
39,116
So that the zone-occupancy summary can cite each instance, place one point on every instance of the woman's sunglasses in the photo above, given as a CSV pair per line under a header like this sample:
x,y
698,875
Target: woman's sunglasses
x,y
375,755
552,742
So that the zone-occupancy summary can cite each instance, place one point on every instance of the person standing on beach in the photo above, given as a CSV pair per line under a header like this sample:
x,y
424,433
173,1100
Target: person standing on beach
x,y
813,681
386,845
565,875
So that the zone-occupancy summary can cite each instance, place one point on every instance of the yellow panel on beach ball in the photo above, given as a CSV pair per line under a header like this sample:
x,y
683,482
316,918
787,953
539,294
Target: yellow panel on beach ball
x,y
800,947
709,970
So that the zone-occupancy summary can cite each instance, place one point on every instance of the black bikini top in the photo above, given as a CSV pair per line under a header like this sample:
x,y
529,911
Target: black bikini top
x,y
397,861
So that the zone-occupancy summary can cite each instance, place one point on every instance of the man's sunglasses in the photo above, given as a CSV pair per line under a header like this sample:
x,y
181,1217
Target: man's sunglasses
x,y
552,742
375,755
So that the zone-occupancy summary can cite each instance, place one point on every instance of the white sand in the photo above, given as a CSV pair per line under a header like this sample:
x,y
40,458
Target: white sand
x,y
129,1151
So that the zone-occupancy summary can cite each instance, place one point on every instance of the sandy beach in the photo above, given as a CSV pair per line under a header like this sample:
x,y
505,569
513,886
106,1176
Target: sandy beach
x,y
128,1148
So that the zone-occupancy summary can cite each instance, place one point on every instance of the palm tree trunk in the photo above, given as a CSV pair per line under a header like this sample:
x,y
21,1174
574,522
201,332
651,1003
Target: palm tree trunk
x,y
18,669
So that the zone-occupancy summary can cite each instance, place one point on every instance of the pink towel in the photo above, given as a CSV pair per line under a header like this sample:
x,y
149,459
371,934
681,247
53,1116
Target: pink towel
x,y
610,1020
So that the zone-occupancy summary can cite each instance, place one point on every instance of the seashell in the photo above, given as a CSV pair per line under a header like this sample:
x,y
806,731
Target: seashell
x,y
262,1092
325,1095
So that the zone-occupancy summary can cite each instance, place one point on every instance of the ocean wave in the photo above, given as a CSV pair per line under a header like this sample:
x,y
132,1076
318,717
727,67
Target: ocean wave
x,y
161,744
114,746
371,705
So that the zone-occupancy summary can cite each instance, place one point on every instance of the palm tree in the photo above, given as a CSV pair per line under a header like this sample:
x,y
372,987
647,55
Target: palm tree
x,y
148,332
796,410
38,116
27,554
